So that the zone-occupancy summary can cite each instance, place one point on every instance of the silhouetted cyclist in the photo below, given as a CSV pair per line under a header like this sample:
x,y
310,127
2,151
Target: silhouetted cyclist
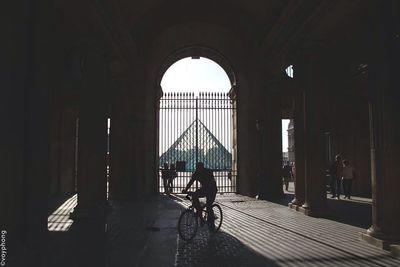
x,y
208,187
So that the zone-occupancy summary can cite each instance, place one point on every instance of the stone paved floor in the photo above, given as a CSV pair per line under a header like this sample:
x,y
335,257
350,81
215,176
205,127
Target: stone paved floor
x,y
261,233
254,233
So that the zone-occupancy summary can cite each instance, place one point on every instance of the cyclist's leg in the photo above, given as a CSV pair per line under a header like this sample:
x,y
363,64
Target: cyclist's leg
x,y
196,203
211,195
170,185
165,186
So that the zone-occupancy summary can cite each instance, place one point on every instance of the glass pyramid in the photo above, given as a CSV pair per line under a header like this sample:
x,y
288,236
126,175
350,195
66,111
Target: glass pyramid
x,y
209,150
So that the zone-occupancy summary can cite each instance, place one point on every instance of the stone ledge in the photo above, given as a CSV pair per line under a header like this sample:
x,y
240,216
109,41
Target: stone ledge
x,y
394,248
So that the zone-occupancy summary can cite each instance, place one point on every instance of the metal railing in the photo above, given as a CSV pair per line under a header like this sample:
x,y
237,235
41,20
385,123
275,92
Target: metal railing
x,y
198,129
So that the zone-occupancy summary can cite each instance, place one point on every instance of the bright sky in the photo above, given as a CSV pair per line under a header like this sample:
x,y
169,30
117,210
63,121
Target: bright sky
x,y
202,75
195,75
285,124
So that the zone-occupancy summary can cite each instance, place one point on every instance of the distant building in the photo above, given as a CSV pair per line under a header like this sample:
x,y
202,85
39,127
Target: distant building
x,y
285,157
290,130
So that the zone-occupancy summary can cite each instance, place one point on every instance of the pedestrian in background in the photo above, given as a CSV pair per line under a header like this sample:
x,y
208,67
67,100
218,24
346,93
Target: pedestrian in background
x,y
287,174
171,176
335,172
348,176
165,175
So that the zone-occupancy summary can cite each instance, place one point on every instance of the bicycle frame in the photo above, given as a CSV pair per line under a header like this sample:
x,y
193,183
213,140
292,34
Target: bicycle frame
x,y
204,217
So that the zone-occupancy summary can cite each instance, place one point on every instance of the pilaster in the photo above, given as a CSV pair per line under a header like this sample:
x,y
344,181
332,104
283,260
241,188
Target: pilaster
x,y
92,147
270,131
299,183
384,126
312,80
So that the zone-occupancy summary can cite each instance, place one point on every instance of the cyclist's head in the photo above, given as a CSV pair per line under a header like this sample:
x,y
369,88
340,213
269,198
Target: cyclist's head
x,y
199,165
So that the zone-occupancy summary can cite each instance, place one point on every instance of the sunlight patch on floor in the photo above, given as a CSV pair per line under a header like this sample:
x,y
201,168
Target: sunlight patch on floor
x,y
59,220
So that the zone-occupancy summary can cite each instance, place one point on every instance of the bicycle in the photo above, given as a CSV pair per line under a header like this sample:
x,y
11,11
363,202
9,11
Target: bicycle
x,y
189,221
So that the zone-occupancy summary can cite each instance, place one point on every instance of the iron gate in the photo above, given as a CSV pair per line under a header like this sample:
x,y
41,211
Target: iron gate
x,y
198,129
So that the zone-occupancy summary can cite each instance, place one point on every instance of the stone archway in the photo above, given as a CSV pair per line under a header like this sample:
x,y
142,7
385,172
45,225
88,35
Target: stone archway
x,y
197,51
223,109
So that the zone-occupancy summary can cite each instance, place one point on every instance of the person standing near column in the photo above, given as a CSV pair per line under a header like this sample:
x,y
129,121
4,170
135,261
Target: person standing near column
x,y
347,178
172,175
287,174
165,175
335,171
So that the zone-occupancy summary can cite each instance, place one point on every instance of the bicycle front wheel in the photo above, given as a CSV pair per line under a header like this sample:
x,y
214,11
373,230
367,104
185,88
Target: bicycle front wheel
x,y
188,225
215,222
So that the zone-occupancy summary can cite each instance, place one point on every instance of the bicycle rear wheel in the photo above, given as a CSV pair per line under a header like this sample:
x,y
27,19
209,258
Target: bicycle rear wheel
x,y
215,222
188,225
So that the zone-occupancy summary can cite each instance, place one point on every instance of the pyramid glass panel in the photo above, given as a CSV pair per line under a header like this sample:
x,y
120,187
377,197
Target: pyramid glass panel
x,y
204,145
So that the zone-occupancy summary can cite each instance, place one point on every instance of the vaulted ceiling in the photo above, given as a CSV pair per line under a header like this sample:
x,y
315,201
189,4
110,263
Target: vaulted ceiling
x,y
272,27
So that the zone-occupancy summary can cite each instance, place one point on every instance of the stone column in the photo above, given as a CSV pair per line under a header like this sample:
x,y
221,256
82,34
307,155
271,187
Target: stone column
x,y
121,153
385,127
67,164
24,139
310,72
299,194
13,107
92,135
385,169
37,87
249,127
63,150
271,145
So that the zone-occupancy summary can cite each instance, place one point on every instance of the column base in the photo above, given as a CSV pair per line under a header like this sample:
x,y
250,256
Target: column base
x,y
377,233
295,204
389,245
395,250
306,209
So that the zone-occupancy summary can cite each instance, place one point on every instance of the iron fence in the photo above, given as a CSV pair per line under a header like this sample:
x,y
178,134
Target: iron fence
x,y
197,129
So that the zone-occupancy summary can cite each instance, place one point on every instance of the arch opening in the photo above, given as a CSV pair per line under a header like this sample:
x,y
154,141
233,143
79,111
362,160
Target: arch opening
x,y
196,123
192,74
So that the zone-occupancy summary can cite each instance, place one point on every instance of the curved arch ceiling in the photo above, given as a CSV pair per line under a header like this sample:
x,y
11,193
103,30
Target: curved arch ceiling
x,y
241,17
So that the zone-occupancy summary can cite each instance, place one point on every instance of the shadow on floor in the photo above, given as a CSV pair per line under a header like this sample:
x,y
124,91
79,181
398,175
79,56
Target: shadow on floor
x,y
285,200
220,249
143,233
354,213
84,244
